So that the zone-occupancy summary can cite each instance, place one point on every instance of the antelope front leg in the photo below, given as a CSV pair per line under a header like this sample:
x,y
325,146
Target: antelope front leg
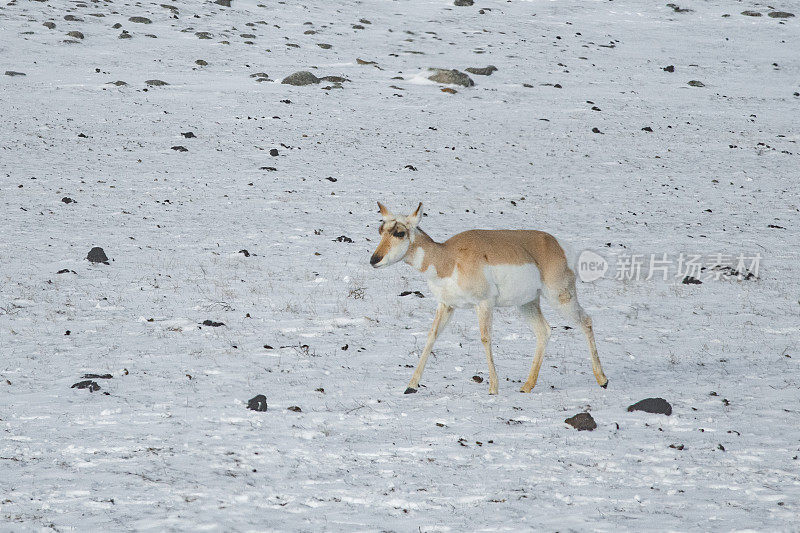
x,y
485,321
443,314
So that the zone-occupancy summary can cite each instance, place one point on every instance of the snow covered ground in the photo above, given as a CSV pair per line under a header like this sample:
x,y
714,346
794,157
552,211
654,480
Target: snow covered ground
x,y
168,444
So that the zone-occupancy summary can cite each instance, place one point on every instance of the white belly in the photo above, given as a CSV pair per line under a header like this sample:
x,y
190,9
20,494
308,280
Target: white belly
x,y
513,285
448,292
506,285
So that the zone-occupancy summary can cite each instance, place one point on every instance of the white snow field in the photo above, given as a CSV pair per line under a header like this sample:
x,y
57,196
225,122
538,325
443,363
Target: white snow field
x,y
168,444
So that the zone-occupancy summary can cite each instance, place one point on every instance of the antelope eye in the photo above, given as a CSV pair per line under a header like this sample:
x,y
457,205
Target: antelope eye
x,y
400,234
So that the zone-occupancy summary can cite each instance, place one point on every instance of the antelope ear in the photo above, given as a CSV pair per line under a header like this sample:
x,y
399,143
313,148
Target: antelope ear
x,y
415,217
385,213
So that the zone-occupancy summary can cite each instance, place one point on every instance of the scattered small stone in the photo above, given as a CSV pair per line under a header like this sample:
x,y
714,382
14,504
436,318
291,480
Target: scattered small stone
x,y
75,34
582,422
363,62
257,403
335,79
188,134
202,62
244,253
648,129
203,35
65,271
451,77
324,46
97,255
223,3
669,68
415,293
72,18
268,347
463,3
677,446
343,238
295,409
125,35
213,324
597,130
118,83
88,384
14,73
449,90
678,9
300,78
780,14
140,20
691,280
658,406
358,27
67,200
696,83
484,71
156,83
117,26
411,167
273,152
269,169
51,25
97,376
750,13
477,379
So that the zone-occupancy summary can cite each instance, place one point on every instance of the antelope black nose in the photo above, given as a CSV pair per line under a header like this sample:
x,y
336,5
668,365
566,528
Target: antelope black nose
x,y
374,260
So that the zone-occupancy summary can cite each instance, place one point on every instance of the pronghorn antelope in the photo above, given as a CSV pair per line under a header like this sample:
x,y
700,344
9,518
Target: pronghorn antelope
x,y
485,269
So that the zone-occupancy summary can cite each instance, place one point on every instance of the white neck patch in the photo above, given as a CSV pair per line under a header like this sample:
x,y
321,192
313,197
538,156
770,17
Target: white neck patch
x,y
419,255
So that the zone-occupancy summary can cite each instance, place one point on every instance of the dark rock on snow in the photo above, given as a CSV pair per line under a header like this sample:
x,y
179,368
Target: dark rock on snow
x,y
88,384
658,406
484,71
257,403
300,78
97,255
582,422
451,77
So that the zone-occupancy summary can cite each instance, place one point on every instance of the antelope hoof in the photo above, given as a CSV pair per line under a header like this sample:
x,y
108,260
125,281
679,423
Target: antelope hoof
x,y
410,391
526,388
605,385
